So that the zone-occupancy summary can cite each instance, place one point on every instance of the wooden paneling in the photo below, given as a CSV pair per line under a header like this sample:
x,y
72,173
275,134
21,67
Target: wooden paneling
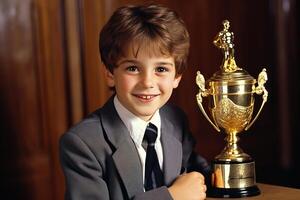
x,y
51,55
92,18
73,59
25,157
33,101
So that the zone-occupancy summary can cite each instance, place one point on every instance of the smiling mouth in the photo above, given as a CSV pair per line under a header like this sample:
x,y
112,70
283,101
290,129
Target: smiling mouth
x,y
145,97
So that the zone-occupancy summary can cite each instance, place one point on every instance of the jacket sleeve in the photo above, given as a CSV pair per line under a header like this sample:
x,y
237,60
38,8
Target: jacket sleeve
x,y
192,161
198,163
161,193
83,174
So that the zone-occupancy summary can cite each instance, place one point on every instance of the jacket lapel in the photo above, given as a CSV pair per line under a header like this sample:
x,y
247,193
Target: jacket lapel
x,y
129,168
172,151
126,157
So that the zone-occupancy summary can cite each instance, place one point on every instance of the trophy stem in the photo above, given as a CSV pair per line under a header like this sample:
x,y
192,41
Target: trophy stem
x,y
232,152
232,138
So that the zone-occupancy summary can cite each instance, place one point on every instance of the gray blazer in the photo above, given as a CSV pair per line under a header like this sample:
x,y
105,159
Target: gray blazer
x,y
100,160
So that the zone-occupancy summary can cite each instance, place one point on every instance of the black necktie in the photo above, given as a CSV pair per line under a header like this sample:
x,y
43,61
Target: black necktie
x,y
153,173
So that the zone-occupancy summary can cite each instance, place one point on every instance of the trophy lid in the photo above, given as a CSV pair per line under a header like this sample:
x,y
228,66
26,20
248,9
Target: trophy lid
x,y
239,76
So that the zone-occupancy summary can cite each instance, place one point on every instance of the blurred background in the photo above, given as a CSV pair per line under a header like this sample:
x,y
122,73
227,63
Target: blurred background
x,y
51,77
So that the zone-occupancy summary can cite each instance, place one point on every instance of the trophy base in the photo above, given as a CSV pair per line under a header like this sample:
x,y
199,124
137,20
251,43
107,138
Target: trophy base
x,y
233,192
233,179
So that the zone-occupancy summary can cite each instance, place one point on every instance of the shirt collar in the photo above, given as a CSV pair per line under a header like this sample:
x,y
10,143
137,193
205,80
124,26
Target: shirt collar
x,y
136,125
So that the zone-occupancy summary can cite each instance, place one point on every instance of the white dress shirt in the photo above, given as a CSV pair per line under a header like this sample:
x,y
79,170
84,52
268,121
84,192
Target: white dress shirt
x,y
137,127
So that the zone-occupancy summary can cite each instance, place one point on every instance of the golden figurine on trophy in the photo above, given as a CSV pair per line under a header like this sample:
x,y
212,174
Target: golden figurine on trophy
x,y
230,95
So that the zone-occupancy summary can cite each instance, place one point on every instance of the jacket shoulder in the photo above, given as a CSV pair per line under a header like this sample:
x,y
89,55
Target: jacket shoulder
x,y
173,113
90,125
89,130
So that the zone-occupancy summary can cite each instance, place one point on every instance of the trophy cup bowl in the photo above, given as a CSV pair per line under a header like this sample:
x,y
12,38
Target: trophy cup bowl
x,y
231,103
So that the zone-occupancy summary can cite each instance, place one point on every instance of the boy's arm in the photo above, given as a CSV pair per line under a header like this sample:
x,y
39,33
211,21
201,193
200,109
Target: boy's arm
x,y
199,164
189,186
161,193
82,171
192,184
192,161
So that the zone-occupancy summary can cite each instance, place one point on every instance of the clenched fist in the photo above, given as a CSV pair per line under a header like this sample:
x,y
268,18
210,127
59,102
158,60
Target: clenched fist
x,y
189,186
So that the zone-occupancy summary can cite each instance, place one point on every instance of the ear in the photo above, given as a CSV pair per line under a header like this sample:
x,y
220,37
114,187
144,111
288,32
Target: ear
x,y
176,81
110,81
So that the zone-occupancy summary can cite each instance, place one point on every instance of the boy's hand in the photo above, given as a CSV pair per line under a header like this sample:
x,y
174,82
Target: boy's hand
x,y
189,186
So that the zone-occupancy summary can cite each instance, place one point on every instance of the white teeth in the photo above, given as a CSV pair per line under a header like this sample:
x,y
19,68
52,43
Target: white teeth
x,y
146,97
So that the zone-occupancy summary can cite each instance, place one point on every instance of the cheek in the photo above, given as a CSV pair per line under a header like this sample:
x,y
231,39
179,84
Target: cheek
x,y
124,83
167,85
170,82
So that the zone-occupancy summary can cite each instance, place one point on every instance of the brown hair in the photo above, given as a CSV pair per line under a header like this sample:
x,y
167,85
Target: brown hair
x,y
153,25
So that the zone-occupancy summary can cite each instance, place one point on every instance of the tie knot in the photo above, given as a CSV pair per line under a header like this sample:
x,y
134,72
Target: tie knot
x,y
151,134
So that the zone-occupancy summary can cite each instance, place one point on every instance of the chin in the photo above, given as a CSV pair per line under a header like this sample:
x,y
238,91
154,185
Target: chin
x,y
145,114
148,114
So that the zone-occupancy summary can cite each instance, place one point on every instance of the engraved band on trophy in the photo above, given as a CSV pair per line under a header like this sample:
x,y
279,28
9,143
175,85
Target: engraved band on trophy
x,y
230,96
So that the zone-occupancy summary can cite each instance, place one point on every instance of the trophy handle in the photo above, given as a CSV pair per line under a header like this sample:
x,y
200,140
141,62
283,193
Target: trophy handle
x,y
262,79
203,92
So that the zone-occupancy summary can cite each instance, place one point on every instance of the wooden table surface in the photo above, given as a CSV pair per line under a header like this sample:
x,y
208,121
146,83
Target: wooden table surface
x,y
271,192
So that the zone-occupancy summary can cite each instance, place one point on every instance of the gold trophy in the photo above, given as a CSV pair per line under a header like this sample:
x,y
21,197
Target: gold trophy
x,y
230,95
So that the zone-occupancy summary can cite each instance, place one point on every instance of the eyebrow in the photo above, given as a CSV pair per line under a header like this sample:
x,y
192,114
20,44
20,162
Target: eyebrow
x,y
164,63
135,61
128,60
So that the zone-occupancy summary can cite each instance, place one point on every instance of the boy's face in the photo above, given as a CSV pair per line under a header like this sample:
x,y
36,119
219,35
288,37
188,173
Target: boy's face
x,y
144,82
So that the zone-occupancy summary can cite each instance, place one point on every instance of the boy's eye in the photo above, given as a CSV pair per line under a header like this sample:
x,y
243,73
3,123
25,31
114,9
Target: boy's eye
x,y
161,69
132,69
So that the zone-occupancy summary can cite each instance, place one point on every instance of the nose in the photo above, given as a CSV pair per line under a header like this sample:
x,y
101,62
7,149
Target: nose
x,y
147,79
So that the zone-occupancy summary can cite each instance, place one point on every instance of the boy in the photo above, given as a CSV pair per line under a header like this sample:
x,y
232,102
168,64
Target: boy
x,y
135,146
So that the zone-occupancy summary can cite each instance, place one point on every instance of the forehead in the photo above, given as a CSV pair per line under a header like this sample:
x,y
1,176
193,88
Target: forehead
x,y
146,46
